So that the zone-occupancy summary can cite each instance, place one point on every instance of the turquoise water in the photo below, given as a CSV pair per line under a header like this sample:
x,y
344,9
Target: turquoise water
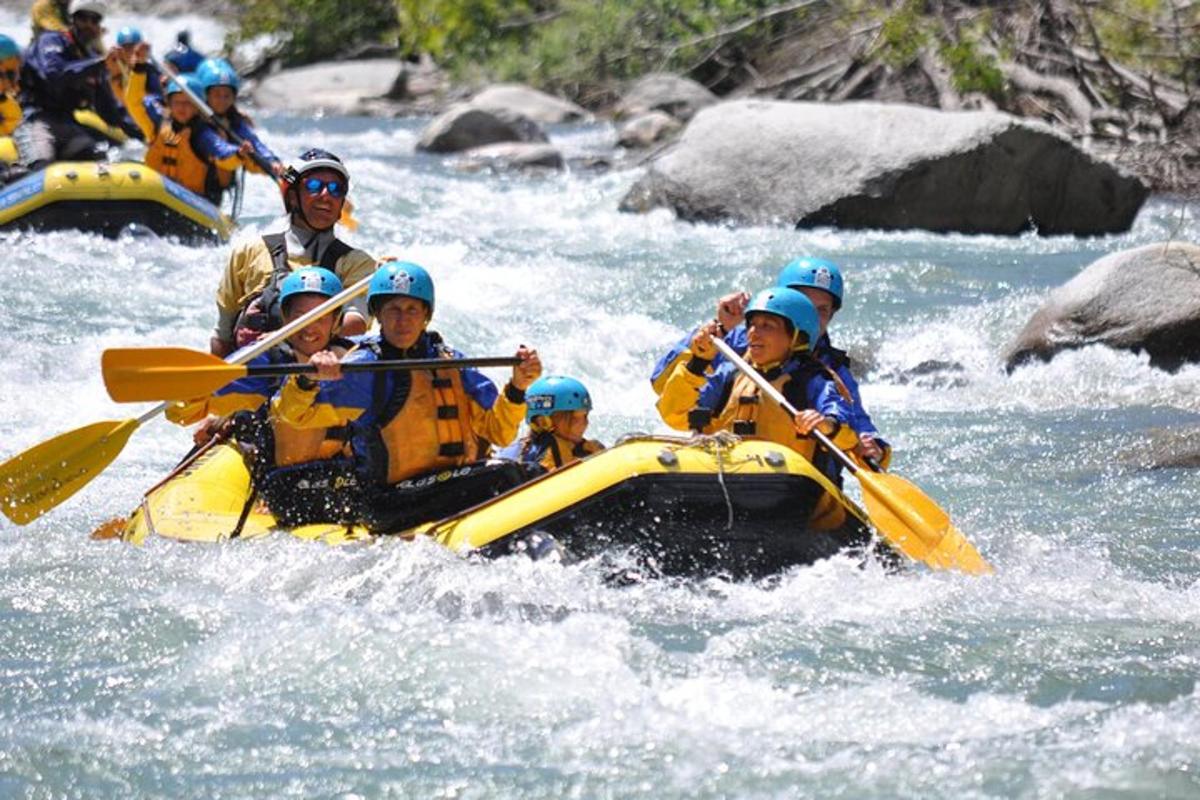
x,y
282,669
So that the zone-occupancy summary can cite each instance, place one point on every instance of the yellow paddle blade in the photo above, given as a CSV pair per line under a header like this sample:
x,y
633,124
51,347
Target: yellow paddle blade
x,y
138,374
33,482
917,526
347,219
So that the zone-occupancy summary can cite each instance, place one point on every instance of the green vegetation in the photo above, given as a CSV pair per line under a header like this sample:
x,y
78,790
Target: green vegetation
x,y
312,30
582,48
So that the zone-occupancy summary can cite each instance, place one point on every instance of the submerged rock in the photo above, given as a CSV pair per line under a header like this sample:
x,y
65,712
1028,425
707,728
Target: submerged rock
x,y
513,156
679,97
874,165
1146,299
646,129
1165,449
537,106
464,126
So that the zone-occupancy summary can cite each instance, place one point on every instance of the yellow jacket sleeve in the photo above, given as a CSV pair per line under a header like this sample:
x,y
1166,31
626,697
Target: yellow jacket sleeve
x,y
135,92
500,423
10,115
679,394
192,411
233,290
299,408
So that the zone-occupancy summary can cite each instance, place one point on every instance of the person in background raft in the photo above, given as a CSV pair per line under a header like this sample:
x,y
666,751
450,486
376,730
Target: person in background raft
x,y
781,325
420,435
182,56
220,83
10,85
821,282
556,408
49,15
60,76
174,147
120,70
176,142
304,476
248,296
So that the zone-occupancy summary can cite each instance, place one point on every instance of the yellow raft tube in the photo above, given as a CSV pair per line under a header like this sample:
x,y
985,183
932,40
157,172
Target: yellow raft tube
x,y
106,198
710,505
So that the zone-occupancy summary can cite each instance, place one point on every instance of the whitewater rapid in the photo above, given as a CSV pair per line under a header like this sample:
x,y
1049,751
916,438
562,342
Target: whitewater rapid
x,y
278,668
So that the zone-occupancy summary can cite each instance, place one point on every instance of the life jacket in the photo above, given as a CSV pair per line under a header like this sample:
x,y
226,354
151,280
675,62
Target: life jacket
x,y
423,420
552,451
748,414
289,445
173,155
263,312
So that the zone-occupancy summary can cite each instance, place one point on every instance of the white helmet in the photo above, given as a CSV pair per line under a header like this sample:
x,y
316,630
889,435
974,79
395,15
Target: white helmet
x,y
97,7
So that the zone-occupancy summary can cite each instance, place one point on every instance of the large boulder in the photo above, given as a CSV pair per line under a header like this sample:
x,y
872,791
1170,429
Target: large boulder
x,y
538,106
679,97
339,87
464,126
1146,299
874,165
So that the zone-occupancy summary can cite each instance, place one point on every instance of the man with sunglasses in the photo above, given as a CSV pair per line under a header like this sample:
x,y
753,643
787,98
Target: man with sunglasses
x,y
60,76
314,194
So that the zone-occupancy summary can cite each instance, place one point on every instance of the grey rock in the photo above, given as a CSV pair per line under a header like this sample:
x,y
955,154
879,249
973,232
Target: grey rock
x,y
874,165
679,97
464,126
1146,299
646,129
538,106
339,87
512,156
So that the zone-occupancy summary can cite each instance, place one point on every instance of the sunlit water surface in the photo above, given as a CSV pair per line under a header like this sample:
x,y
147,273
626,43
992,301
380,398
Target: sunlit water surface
x,y
278,668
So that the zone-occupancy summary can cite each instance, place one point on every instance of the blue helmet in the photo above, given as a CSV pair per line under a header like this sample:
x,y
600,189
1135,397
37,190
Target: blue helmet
x,y
400,279
217,72
176,85
816,273
8,48
793,306
309,280
129,35
555,393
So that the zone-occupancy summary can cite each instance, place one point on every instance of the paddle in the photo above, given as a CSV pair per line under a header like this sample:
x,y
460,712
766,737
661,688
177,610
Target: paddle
x,y
137,374
905,517
42,477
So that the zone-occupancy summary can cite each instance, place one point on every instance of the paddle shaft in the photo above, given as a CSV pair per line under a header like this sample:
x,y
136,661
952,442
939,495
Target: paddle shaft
x,y
396,365
275,337
210,115
776,395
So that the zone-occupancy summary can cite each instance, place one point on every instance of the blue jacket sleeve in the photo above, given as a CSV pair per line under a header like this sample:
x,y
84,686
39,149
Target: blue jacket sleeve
x,y
213,145
244,130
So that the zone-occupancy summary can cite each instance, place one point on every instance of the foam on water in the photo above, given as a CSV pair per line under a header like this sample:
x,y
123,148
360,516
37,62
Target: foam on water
x,y
288,669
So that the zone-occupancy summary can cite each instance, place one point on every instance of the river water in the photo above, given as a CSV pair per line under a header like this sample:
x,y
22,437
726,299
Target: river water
x,y
284,669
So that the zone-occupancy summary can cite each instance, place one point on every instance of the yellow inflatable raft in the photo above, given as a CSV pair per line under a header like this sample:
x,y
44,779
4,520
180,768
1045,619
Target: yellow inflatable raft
x,y
106,198
686,506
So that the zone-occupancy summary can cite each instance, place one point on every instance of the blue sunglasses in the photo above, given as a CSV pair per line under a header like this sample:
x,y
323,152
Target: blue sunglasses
x,y
315,186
